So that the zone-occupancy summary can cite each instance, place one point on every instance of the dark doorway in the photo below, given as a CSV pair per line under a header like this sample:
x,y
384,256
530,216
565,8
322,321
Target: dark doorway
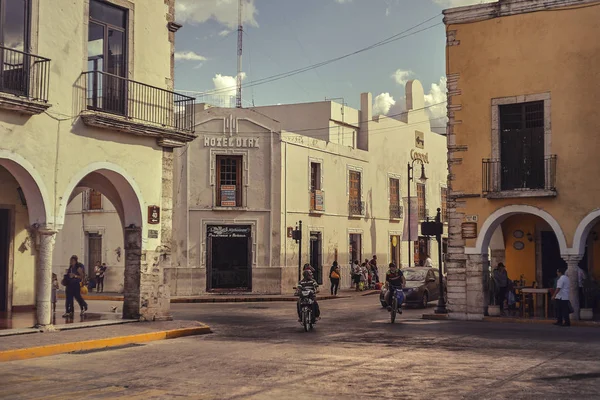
x,y
229,257
94,252
421,251
315,255
551,259
4,257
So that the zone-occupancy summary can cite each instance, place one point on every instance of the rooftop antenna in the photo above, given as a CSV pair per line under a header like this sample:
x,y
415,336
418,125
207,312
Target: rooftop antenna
x,y
238,97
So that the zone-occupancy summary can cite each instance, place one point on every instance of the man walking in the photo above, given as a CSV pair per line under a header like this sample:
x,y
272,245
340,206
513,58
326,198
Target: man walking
x,y
563,285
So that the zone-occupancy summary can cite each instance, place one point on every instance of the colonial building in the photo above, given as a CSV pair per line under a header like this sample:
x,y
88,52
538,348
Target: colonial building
x,y
86,102
253,174
523,96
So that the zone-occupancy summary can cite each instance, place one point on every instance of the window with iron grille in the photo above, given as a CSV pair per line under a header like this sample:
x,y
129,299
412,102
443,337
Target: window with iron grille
x,y
421,200
444,207
229,181
355,193
522,146
395,198
14,43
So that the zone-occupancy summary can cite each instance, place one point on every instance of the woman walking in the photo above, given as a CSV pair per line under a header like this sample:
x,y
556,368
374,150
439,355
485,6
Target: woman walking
x,y
74,277
334,277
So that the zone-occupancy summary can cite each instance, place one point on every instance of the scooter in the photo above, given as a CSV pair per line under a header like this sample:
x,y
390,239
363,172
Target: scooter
x,y
307,299
397,301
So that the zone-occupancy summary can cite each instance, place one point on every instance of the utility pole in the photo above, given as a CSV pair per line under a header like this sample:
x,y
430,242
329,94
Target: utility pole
x,y
297,236
238,97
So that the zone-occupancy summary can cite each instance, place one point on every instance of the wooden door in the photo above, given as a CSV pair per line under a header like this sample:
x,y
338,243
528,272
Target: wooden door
x,y
94,252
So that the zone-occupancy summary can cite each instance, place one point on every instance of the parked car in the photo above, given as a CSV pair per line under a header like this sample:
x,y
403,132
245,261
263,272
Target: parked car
x,y
422,286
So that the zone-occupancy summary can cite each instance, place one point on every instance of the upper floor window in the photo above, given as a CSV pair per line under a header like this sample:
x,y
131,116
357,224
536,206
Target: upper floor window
x,y
229,181
421,201
316,195
354,185
92,200
395,210
107,39
522,146
14,23
444,195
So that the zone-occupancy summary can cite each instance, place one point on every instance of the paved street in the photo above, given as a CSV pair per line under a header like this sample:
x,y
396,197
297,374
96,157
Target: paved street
x,y
259,351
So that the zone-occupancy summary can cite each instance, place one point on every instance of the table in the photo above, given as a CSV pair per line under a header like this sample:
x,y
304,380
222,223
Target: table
x,y
535,291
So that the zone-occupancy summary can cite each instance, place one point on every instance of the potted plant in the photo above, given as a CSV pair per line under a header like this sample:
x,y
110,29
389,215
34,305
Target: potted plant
x,y
590,294
493,308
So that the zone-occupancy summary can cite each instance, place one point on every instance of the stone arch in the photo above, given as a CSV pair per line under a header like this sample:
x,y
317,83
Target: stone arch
x,y
32,184
582,232
497,217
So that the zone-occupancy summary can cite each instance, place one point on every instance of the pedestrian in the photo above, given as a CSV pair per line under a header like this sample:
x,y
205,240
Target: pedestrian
x,y
364,276
334,278
356,275
561,296
100,270
55,287
428,263
374,268
581,277
74,277
501,279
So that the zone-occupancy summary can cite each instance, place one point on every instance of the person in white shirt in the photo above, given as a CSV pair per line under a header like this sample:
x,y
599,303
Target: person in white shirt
x,y
428,263
561,295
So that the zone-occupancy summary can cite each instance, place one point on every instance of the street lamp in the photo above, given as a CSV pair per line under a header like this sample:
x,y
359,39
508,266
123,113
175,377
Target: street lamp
x,y
423,178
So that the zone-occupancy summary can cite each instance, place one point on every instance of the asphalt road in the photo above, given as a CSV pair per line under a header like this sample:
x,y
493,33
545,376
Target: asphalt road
x,y
259,351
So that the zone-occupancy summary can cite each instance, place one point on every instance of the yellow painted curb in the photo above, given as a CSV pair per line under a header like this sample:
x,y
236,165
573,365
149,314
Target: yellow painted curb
x,y
54,349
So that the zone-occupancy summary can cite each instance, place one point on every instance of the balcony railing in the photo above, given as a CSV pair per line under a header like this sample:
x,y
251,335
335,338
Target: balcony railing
x,y
396,211
317,200
524,176
138,101
24,74
355,207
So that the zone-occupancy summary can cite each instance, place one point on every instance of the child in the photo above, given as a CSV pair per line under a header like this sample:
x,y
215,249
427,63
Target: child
x,y
54,289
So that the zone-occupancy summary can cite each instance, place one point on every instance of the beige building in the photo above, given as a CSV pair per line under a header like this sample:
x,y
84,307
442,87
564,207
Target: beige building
x,y
253,174
86,103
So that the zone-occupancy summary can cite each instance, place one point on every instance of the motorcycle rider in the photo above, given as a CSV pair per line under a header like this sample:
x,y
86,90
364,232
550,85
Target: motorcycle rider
x,y
308,283
394,280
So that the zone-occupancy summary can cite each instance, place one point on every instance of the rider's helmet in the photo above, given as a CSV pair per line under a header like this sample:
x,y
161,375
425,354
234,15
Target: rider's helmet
x,y
307,274
392,265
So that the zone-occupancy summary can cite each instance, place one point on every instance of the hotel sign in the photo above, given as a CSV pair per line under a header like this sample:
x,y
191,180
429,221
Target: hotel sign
x,y
231,142
415,155
229,231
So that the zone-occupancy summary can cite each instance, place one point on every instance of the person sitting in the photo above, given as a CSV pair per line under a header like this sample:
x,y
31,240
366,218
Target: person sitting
x,y
395,280
308,283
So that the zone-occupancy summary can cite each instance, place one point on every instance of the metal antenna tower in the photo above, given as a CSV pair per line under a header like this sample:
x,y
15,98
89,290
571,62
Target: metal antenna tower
x,y
238,97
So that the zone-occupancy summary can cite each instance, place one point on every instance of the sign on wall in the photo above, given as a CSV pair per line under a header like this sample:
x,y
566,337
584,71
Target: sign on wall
x,y
228,196
419,140
233,142
469,230
152,234
229,231
471,218
153,215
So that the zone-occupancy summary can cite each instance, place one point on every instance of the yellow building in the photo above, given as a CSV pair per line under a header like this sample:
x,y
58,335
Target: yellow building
x,y
86,103
522,140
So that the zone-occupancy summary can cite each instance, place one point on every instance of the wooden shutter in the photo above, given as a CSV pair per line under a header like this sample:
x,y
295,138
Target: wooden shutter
x,y
95,200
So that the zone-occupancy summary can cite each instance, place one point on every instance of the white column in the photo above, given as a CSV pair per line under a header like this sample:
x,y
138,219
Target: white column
x,y
573,275
44,278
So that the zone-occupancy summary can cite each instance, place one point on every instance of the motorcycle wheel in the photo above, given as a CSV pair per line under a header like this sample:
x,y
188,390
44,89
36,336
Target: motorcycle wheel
x,y
305,319
394,309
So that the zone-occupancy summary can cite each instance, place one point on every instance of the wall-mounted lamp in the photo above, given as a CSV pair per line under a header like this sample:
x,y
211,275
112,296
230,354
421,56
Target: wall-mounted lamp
x,y
22,196
529,236
595,236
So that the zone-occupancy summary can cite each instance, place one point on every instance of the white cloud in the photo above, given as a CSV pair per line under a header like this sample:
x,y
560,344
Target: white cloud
x,y
459,3
382,104
401,76
226,85
224,32
188,56
437,94
343,1
223,11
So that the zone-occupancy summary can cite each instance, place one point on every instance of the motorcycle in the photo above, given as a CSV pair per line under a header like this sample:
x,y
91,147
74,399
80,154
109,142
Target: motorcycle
x,y
307,299
397,301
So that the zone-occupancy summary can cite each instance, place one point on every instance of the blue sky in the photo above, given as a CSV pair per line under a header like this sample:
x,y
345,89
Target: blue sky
x,y
283,35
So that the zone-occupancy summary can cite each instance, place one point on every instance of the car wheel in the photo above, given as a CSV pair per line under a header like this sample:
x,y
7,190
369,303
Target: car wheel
x,y
425,300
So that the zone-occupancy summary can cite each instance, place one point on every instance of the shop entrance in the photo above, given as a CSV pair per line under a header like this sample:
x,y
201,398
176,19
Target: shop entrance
x,y
4,257
551,259
229,257
315,255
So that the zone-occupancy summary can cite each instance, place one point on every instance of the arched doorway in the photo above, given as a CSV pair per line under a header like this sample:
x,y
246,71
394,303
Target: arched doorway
x,y
528,240
124,196
586,245
26,234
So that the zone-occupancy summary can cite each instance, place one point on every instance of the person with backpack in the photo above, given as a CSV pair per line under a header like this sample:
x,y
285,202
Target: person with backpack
x,y
334,277
72,280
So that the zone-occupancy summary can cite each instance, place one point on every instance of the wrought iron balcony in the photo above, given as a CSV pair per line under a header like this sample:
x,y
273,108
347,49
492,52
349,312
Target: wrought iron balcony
x,y
525,179
317,201
355,207
396,211
26,76
143,104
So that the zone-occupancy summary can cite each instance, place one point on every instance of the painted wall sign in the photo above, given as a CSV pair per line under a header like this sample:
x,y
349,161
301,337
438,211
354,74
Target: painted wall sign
x,y
153,215
152,234
233,142
415,155
290,231
230,231
419,139
318,200
469,230
471,218
228,196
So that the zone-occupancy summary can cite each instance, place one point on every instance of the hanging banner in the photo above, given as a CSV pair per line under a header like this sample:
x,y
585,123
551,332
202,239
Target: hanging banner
x,y
414,220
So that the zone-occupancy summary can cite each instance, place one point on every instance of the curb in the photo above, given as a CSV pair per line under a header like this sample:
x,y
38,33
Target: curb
x,y
180,300
589,324
54,349
436,317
